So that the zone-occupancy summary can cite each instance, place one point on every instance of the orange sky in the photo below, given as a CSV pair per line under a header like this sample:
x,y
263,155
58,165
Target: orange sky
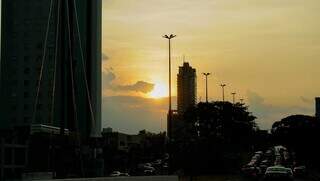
x,y
267,50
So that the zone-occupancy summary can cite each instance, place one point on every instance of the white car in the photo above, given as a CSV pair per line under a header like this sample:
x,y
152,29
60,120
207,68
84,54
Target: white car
x,y
278,173
124,175
115,174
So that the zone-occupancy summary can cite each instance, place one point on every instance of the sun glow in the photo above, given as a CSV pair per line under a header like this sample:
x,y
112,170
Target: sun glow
x,y
160,90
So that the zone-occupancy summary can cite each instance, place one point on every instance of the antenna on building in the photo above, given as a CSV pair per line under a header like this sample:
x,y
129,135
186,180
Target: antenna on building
x,y
183,58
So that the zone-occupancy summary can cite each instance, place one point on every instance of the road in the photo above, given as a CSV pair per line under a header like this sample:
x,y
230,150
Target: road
x,y
228,178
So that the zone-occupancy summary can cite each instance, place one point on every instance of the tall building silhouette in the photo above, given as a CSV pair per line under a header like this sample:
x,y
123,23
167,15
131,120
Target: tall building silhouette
x,y
317,107
187,87
24,39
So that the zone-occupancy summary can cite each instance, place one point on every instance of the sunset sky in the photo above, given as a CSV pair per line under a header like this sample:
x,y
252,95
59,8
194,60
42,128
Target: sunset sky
x,y
268,51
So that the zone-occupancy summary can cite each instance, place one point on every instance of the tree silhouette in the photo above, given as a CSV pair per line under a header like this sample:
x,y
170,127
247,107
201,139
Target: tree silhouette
x,y
298,133
214,136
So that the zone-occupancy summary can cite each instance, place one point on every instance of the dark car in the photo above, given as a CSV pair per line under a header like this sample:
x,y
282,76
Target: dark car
x,y
278,173
300,171
250,171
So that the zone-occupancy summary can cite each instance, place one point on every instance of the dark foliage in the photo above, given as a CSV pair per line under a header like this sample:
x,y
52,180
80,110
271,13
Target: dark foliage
x,y
216,137
298,133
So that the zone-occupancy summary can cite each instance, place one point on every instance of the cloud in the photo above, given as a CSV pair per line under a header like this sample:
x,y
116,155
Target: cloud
x,y
109,76
105,57
139,86
306,100
130,114
267,114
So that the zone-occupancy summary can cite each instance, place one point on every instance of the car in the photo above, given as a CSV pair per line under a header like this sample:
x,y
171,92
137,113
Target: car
x,y
115,174
263,168
148,165
157,162
299,171
278,160
149,168
250,171
280,173
165,165
124,175
266,162
149,172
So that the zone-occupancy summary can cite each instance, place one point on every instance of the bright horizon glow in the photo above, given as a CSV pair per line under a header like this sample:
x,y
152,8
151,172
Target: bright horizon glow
x,y
160,91
267,51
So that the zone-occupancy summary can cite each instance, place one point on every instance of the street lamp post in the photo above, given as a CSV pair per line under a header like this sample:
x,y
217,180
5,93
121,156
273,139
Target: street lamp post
x,y
169,37
233,97
241,101
222,86
206,75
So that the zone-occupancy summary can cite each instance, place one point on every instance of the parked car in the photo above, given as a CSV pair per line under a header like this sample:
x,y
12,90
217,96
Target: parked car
x,y
148,165
280,173
124,175
115,174
299,171
250,171
149,172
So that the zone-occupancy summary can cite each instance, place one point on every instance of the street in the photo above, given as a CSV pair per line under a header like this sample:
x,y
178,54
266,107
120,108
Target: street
x,y
231,178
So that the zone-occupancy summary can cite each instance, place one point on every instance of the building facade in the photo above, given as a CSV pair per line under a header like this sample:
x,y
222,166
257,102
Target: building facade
x,y
29,33
318,107
187,87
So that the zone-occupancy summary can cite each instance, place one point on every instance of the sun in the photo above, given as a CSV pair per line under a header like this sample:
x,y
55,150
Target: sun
x,y
160,90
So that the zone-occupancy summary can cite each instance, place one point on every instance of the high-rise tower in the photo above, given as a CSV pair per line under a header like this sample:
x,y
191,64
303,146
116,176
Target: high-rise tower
x,y
187,87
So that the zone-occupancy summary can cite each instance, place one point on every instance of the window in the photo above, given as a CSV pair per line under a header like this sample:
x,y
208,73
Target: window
x,y
26,82
14,107
14,58
26,107
26,71
39,106
26,119
26,58
26,94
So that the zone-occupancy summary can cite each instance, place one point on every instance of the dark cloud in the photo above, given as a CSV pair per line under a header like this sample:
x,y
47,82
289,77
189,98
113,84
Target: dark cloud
x,y
267,114
306,100
139,86
130,114
105,57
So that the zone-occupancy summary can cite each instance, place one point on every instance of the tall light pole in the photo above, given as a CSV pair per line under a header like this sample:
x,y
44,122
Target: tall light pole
x,y
222,86
233,97
206,75
169,37
241,101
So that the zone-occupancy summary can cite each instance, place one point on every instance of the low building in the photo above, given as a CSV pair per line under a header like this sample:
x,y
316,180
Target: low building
x,y
120,141
13,156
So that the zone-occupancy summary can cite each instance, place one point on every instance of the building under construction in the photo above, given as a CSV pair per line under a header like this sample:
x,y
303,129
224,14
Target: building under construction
x,y
50,79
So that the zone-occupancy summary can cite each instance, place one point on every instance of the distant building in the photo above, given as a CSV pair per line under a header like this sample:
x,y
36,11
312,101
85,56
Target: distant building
x,y
120,141
187,87
172,126
318,107
23,32
186,97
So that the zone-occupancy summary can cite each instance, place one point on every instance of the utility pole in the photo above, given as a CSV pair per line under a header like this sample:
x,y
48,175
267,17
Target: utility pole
x,y
222,86
233,97
206,75
169,37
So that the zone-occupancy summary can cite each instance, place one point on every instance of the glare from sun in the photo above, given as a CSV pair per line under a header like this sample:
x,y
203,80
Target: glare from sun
x,y
159,91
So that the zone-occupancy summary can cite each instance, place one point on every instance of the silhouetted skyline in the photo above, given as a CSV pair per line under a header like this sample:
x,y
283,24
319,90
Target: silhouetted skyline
x,y
265,51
